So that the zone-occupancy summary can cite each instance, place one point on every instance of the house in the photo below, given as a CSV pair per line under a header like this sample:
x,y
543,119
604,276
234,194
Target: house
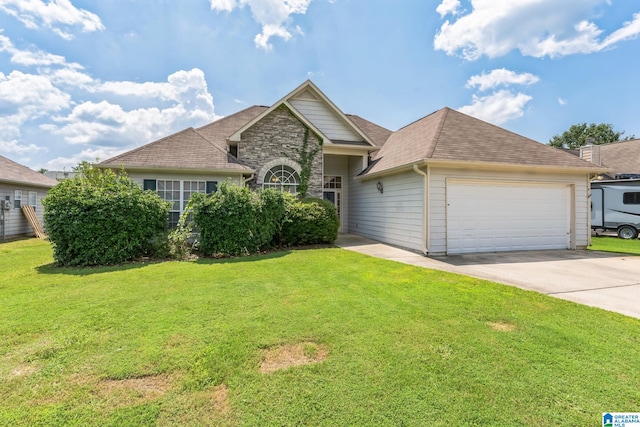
x,y
20,186
621,158
447,183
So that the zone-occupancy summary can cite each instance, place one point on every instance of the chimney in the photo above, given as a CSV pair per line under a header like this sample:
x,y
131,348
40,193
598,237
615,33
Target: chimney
x,y
591,153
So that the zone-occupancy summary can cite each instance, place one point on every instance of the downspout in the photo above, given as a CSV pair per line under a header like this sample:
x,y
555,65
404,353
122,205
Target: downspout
x,y
245,180
425,207
590,204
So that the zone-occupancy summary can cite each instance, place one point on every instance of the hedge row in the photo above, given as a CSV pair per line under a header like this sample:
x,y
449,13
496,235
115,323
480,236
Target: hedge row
x,y
101,218
236,221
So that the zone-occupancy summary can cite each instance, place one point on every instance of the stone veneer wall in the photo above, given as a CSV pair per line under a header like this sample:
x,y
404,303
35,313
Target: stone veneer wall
x,y
276,136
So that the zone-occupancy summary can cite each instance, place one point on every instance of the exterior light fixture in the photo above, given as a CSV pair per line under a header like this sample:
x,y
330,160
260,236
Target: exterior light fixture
x,y
380,187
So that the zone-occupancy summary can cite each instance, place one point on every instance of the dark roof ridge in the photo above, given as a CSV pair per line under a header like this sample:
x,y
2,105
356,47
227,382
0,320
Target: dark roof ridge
x,y
419,119
230,116
615,142
443,119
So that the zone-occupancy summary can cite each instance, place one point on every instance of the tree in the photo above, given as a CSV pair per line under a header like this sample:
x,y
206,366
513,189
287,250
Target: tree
x,y
579,135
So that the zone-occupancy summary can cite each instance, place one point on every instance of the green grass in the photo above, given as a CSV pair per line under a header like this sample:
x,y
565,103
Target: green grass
x,y
615,244
180,343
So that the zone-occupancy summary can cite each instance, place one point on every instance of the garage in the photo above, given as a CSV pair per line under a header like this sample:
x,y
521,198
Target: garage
x,y
493,216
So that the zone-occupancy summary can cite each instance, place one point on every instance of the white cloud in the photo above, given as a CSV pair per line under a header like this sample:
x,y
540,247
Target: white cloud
x,y
273,15
68,107
501,77
14,147
497,108
448,7
562,101
58,15
68,162
107,124
32,94
536,28
629,31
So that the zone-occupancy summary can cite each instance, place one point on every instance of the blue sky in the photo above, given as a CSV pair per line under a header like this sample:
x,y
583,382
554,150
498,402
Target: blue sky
x,y
81,80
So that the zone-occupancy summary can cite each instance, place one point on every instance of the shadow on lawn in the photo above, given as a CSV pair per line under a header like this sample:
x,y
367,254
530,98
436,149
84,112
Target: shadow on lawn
x,y
52,268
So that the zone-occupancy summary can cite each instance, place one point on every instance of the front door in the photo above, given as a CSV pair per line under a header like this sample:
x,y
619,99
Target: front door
x,y
333,193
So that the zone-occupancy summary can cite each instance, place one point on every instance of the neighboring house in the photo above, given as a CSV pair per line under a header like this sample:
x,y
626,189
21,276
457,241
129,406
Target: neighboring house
x,y
60,175
621,158
447,183
19,186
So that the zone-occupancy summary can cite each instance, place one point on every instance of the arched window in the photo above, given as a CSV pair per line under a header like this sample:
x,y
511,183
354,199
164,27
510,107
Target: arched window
x,y
283,178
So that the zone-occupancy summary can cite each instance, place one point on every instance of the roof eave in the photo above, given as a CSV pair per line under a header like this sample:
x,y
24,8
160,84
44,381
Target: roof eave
x,y
178,169
485,166
26,184
346,149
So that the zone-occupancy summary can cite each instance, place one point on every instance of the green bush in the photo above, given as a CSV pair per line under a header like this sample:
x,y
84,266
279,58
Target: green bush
x,y
102,218
310,221
237,221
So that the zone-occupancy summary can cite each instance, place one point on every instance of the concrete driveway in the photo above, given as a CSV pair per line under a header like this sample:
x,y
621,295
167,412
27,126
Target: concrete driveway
x,y
599,279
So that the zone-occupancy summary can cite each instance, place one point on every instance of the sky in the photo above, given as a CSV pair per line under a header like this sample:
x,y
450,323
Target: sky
x,y
87,80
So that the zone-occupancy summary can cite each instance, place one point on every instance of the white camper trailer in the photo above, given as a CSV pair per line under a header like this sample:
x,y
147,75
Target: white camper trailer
x,y
615,205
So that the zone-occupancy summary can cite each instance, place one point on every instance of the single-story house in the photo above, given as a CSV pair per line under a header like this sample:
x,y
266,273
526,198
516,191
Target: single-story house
x,y
20,186
621,158
445,184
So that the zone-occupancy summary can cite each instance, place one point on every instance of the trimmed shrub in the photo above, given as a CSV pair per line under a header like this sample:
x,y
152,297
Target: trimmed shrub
x,y
101,218
237,221
310,221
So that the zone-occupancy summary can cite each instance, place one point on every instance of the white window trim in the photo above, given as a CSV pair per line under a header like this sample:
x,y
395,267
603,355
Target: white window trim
x,y
277,162
17,195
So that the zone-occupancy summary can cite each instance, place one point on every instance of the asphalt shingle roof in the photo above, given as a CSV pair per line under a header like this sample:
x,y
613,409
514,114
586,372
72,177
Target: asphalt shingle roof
x,y
621,157
202,149
13,172
450,135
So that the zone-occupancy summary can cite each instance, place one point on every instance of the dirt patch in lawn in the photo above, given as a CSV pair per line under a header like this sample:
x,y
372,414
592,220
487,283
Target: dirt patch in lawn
x,y
23,371
502,326
220,399
289,355
134,391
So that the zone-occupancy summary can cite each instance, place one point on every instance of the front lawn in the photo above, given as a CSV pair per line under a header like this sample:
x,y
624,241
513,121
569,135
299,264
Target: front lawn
x,y
377,343
615,244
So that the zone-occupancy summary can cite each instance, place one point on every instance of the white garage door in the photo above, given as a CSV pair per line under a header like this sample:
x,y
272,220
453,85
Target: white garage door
x,y
491,216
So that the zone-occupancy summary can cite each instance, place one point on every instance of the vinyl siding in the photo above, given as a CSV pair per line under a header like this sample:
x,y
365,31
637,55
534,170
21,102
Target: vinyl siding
x,y
394,216
437,201
325,119
15,222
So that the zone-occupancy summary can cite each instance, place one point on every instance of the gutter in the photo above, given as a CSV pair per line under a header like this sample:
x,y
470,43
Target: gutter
x,y
425,209
483,166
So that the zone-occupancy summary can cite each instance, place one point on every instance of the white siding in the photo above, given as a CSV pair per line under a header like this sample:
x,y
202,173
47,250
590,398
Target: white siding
x,y
325,119
15,222
437,201
394,216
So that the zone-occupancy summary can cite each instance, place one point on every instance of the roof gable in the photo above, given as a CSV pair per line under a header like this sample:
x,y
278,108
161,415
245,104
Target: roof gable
x,y
448,135
15,173
317,112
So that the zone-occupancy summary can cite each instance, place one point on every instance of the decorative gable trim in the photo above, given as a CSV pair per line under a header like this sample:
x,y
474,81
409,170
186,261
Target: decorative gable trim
x,y
305,90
